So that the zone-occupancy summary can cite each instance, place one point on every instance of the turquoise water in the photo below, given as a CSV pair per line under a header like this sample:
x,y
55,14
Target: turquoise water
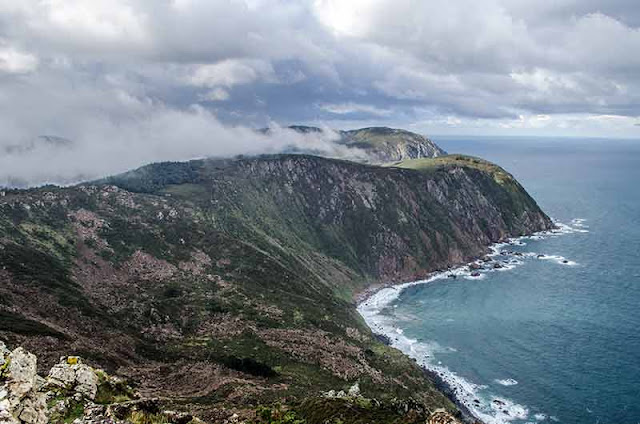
x,y
545,341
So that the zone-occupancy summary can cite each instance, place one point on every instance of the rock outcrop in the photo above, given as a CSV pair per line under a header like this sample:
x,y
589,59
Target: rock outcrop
x,y
440,416
21,397
71,374
69,394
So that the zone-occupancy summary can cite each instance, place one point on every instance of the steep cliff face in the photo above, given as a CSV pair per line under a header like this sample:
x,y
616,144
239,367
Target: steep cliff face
x,y
240,274
384,223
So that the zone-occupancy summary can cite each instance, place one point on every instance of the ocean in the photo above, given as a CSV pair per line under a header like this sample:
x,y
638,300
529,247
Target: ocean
x,y
554,336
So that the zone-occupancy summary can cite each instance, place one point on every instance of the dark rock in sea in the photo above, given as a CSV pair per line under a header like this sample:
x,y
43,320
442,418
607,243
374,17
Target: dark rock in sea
x,y
565,261
475,266
452,276
383,338
475,274
497,266
540,256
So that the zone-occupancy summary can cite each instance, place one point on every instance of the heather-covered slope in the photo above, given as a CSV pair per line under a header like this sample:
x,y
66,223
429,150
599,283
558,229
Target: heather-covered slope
x,y
225,284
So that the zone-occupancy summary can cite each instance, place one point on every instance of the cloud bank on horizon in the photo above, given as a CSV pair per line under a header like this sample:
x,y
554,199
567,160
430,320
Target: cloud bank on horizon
x,y
131,81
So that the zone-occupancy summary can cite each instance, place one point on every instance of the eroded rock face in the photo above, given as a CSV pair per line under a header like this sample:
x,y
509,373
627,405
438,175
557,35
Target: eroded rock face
x,y
21,400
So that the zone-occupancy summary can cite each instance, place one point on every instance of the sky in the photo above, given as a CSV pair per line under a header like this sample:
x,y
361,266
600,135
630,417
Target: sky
x,y
133,81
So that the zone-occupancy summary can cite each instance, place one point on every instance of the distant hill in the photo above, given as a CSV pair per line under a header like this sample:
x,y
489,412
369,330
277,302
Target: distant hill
x,y
381,144
390,144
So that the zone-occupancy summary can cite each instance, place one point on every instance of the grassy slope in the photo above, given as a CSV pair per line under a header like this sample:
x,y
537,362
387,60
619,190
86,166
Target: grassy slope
x,y
457,160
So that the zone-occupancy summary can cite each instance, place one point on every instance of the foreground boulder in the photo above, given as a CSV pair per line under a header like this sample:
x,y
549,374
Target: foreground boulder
x,y
71,374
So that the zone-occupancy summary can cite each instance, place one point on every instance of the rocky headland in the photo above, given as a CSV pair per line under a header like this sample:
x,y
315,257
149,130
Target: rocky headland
x,y
225,288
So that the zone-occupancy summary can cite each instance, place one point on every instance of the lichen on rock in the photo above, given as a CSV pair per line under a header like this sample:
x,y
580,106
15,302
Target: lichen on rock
x,y
71,374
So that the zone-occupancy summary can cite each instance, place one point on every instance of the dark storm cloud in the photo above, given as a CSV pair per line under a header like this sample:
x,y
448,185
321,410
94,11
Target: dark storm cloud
x,y
173,79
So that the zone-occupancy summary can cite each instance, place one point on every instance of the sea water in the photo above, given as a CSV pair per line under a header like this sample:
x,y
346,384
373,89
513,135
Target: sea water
x,y
554,335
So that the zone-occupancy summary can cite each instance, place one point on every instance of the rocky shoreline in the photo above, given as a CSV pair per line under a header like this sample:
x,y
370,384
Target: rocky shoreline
x,y
466,415
473,267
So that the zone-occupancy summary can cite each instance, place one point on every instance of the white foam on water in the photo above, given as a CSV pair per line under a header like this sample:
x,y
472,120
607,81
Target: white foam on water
x,y
579,222
566,229
561,260
507,382
484,406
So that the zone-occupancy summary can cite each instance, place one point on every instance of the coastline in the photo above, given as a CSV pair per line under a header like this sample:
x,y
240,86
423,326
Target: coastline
x,y
444,387
371,301
466,416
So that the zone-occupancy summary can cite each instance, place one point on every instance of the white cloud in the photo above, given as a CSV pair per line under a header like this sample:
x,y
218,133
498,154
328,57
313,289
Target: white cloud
x,y
544,80
78,25
349,108
101,147
112,130
216,95
14,61
345,17
232,72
